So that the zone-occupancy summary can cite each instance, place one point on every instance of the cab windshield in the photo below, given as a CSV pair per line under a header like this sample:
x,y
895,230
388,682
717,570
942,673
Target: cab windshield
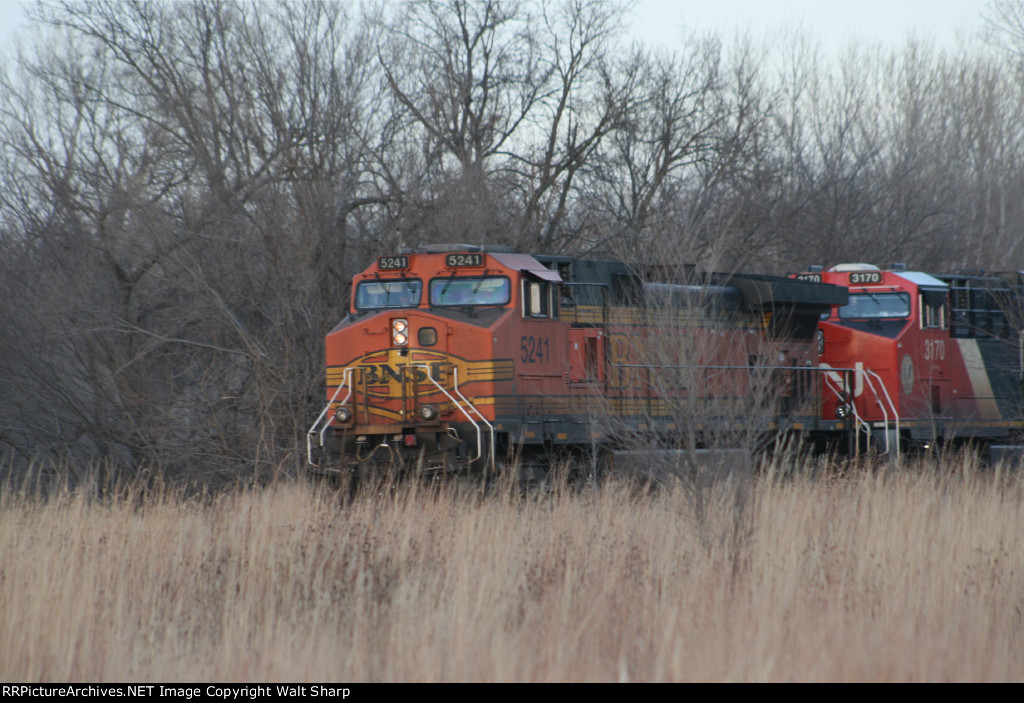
x,y
876,306
493,290
401,293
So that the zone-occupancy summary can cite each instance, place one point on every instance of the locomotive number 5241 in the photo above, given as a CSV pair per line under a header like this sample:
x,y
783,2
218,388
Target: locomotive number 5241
x,y
533,350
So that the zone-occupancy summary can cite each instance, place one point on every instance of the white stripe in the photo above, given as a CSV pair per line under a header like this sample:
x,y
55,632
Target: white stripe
x,y
981,387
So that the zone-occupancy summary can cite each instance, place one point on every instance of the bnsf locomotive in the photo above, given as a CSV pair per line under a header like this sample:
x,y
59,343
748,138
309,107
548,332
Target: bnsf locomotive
x,y
922,358
454,357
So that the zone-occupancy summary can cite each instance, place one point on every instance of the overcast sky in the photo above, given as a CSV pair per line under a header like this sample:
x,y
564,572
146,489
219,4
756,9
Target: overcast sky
x,y
833,22
10,17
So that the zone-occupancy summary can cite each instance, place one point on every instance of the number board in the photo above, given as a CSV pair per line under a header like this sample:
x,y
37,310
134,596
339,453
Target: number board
x,y
860,277
809,277
457,260
389,263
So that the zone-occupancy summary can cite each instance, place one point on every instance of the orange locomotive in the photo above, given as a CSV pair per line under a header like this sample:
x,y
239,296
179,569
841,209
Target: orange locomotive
x,y
454,357
923,358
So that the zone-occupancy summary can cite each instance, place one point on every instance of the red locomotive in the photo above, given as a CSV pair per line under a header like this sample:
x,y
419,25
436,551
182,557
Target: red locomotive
x,y
454,357
924,358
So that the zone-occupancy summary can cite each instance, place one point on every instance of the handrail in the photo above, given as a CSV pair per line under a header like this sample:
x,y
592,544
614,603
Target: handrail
x,y
868,374
721,367
345,381
476,425
857,420
455,376
888,399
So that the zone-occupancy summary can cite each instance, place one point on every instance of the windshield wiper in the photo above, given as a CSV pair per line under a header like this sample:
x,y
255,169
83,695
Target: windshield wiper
x,y
447,285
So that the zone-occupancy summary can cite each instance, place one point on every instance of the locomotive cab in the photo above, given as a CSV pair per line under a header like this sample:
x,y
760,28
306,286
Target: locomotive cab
x,y
411,372
901,358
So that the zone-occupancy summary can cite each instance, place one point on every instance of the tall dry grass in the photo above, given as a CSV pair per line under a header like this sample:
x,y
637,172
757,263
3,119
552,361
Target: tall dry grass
x,y
872,575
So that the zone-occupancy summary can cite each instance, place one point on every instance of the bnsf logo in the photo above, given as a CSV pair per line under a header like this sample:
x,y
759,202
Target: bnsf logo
x,y
381,374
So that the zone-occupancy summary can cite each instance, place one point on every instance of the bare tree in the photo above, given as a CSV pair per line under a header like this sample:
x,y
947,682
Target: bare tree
x,y
1004,26
691,150
192,165
588,97
509,101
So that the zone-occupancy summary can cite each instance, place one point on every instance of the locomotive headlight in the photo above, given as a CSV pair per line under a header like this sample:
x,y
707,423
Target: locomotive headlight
x,y
399,332
343,414
842,411
428,412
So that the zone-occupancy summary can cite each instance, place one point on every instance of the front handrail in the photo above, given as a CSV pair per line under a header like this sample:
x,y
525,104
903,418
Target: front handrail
x,y
346,380
476,425
888,399
868,374
322,422
843,396
455,376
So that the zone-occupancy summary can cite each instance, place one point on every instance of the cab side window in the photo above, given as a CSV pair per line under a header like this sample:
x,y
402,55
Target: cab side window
x,y
933,310
540,299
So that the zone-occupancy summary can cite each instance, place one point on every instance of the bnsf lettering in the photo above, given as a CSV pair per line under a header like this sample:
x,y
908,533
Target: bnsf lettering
x,y
386,372
381,374
866,277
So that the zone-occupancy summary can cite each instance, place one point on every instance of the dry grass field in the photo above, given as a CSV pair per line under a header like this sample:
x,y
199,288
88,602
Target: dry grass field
x,y
869,575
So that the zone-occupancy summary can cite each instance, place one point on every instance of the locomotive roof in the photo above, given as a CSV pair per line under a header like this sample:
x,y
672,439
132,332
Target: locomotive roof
x,y
757,290
525,262
922,279
763,289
